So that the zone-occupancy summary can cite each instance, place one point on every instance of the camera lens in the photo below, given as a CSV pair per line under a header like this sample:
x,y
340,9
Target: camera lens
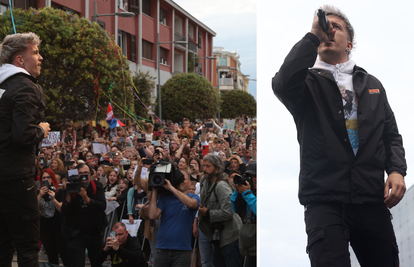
x,y
157,179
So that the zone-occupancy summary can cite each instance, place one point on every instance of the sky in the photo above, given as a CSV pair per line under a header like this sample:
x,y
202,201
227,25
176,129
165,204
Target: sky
x,y
234,22
384,49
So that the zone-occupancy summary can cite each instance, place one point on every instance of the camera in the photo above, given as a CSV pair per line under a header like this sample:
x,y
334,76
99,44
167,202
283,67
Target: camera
x,y
168,132
68,139
217,228
113,154
75,182
161,171
241,179
45,183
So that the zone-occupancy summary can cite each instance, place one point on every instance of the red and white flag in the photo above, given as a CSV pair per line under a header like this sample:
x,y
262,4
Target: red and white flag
x,y
109,114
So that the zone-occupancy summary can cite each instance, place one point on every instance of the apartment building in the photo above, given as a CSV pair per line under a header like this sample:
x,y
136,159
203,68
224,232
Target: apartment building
x,y
137,36
228,71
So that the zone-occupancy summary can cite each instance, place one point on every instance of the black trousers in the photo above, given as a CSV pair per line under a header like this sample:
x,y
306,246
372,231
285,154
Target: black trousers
x,y
55,244
77,245
19,223
331,227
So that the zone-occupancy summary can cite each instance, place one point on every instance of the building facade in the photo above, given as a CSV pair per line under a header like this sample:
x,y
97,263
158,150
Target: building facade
x,y
228,71
137,36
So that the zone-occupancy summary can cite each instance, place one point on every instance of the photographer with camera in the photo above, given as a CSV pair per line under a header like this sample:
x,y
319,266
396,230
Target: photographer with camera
x,y
244,201
83,210
50,200
124,250
178,211
218,222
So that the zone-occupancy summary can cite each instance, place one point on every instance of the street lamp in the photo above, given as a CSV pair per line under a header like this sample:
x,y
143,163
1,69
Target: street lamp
x,y
121,14
159,72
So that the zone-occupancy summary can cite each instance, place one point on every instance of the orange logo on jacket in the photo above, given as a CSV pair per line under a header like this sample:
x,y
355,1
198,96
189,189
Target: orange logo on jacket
x,y
374,91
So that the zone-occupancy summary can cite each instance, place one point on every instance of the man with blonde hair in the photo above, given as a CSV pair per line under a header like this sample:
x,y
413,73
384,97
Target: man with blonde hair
x,y
22,128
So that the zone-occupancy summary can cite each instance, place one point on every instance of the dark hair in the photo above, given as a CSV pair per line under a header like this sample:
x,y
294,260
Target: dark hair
x,y
81,165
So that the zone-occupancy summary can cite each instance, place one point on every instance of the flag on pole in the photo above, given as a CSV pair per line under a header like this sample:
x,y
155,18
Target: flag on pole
x,y
115,123
109,114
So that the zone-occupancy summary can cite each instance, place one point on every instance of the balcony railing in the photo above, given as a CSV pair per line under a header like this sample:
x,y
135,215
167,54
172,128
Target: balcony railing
x,y
226,81
179,37
192,46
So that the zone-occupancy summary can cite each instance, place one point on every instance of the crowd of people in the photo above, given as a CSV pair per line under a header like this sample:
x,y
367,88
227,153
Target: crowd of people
x,y
115,165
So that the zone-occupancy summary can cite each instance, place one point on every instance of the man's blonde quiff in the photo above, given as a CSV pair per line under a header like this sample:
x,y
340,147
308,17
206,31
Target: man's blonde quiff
x,y
15,44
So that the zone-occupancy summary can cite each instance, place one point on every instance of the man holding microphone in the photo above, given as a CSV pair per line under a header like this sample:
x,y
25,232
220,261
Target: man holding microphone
x,y
22,128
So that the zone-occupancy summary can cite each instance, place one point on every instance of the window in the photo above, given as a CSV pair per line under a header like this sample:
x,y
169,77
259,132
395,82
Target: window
x,y
199,68
133,48
122,41
163,16
25,4
146,49
199,40
101,23
57,6
134,6
163,56
146,7
3,8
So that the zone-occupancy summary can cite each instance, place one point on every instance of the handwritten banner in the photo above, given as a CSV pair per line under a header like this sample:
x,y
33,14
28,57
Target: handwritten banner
x,y
52,139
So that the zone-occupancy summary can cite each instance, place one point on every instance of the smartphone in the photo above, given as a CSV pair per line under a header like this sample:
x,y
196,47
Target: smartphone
x,y
205,150
248,141
45,183
209,125
125,162
113,154
323,21
141,138
148,161
167,147
41,161
112,235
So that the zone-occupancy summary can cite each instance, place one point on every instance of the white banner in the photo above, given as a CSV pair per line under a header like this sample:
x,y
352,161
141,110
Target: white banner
x,y
52,139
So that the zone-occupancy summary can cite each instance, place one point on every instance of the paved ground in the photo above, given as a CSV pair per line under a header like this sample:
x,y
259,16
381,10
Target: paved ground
x,y
42,258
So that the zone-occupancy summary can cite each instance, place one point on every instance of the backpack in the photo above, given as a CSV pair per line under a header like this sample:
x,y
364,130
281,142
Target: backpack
x,y
247,237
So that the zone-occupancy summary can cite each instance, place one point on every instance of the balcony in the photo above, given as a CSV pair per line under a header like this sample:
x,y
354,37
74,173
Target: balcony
x,y
192,46
179,37
226,81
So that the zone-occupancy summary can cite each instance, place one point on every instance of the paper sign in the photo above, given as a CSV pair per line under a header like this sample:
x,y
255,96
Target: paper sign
x,y
110,206
52,139
98,148
72,172
132,228
229,124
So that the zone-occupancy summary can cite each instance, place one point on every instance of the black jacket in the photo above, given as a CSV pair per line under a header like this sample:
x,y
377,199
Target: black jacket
x,y
128,255
329,170
22,108
80,217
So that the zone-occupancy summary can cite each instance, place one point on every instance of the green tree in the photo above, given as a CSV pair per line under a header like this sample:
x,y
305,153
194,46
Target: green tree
x,y
188,95
78,60
234,103
144,83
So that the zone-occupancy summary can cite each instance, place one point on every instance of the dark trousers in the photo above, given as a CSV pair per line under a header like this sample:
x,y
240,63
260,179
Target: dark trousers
x,y
227,256
19,223
55,244
172,258
367,227
77,245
